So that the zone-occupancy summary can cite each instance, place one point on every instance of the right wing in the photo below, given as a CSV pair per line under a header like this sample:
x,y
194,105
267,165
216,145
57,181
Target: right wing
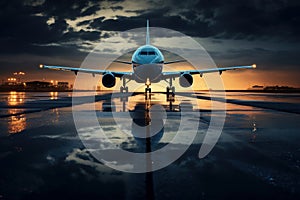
x,y
174,74
89,71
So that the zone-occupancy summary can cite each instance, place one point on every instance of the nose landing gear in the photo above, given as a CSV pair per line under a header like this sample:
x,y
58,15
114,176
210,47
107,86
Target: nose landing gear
x,y
147,90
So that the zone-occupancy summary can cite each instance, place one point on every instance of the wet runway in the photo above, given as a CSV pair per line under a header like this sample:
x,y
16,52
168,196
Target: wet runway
x,y
256,157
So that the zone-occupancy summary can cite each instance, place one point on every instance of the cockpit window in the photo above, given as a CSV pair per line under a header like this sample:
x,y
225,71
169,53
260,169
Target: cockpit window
x,y
144,53
151,52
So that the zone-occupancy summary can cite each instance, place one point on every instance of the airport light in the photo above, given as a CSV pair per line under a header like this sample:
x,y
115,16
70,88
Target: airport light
x,y
19,73
12,79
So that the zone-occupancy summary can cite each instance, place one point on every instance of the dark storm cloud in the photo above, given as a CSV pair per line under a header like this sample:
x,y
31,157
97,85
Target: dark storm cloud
x,y
25,28
250,19
115,8
265,58
157,18
26,40
67,9
18,23
136,11
91,10
220,19
26,23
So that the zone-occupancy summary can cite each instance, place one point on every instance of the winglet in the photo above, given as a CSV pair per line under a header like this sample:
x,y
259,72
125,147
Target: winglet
x,y
147,34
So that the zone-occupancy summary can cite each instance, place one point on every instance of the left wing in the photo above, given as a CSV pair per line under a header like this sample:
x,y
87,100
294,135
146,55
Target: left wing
x,y
89,71
201,72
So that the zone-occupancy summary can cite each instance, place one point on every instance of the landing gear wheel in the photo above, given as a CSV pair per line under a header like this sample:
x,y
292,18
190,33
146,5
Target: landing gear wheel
x,y
173,90
170,94
147,93
123,89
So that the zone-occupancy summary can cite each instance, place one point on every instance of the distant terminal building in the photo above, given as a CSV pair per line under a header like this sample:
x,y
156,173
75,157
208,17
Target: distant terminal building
x,y
11,81
15,83
272,88
257,87
276,87
38,84
63,85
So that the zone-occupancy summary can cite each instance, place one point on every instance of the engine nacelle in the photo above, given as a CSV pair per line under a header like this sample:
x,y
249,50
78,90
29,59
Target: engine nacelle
x,y
108,80
186,80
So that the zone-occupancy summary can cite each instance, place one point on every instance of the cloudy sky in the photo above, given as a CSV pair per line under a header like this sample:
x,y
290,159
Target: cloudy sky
x,y
234,32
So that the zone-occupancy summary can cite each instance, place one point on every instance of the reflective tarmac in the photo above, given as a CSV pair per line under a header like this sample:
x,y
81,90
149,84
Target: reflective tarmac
x,y
256,157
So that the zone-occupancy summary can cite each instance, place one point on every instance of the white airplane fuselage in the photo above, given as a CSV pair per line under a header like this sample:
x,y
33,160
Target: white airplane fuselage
x,y
147,64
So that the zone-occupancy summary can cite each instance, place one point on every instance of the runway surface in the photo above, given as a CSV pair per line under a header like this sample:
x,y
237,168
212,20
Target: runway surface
x,y
256,157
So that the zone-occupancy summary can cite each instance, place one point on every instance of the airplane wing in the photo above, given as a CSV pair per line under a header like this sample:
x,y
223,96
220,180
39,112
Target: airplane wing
x,y
89,71
175,74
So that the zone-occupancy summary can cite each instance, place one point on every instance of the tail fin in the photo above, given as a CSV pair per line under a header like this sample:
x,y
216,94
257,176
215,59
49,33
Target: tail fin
x,y
147,34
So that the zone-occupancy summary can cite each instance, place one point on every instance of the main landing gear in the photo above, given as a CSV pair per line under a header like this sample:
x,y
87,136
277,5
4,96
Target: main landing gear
x,y
124,93
170,93
124,88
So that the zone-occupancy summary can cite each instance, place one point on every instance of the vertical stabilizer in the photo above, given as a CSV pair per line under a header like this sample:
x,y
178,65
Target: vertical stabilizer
x,y
147,34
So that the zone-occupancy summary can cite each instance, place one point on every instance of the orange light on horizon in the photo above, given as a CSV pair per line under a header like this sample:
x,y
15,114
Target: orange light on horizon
x,y
12,79
53,95
15,98
19,73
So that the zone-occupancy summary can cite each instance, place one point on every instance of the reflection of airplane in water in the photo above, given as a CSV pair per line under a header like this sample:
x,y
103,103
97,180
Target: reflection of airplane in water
x,y
147,64
148,118
147,122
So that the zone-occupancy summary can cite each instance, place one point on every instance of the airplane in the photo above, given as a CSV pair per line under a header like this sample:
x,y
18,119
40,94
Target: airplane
x,y
147,67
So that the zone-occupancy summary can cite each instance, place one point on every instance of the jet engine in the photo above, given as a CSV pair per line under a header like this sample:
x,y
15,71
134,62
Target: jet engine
x,y
186,80
108,80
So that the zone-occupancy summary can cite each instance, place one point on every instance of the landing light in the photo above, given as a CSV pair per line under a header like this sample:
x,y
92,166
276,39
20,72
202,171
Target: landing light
x,y
41,66
254,65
